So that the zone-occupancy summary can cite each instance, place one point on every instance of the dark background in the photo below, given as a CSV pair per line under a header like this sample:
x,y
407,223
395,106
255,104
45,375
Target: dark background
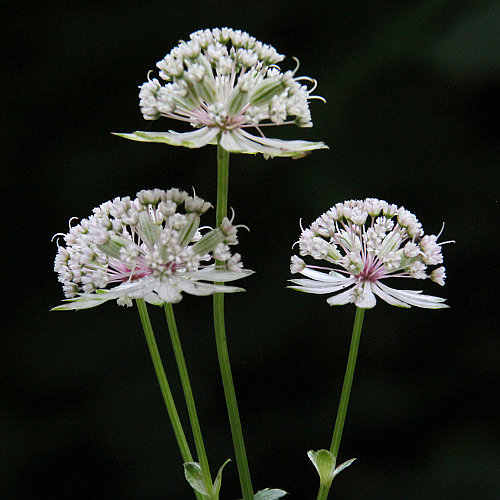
x,y
412,90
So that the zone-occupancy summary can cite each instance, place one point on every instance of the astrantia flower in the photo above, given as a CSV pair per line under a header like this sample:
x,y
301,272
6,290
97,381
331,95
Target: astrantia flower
x,y
368,242
224,81
146,248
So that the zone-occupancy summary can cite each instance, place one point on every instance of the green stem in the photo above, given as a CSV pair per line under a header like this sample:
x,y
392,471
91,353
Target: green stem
x,y
164,386
346,392
346,388
323,492
188,394
222,184
221,341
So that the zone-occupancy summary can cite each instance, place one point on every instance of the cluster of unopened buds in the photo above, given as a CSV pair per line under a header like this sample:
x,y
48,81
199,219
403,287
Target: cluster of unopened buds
x,y
368,241
223,81
147,248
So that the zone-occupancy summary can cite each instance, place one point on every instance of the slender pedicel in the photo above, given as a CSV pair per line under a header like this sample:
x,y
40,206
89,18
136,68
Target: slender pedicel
x,y
188,394
164,386
221,341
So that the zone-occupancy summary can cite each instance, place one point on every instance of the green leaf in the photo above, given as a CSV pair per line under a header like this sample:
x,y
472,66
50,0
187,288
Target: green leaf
x,y
268,494
192,471
218,479
324,461
342,466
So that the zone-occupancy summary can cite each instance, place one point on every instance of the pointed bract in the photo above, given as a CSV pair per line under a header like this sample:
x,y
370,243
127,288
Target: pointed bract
x,y
325,463
192,472
194,476
269,494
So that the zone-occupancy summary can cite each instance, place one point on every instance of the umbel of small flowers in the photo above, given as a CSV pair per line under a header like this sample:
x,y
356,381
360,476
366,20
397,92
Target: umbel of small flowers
x,y
223,82
367,242
146,248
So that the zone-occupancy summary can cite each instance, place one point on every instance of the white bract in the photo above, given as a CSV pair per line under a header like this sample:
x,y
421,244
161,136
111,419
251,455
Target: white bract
x,y
367,242
222,82
146,248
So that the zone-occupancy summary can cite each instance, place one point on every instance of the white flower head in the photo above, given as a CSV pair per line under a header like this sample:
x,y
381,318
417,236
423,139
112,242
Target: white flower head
x,y
222,82
368,241
146,248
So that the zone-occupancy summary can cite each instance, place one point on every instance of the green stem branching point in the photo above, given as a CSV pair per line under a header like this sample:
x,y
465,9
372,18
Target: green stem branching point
x,y
221,341
164,386
188,394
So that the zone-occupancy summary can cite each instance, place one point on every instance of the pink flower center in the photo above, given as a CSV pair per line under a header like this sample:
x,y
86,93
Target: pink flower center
x,y
120,272
373,269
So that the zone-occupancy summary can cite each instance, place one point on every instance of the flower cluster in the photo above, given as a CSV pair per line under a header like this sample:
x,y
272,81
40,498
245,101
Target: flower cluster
x,y
223,81
146,248
368,241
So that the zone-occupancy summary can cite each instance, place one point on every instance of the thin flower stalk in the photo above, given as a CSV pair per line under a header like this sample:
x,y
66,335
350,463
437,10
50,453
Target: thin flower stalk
x,y
164,385
347,385
221,341
324,489
188,395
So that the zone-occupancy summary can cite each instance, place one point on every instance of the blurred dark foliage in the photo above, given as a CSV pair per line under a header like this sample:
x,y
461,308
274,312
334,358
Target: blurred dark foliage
x,y
412,90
